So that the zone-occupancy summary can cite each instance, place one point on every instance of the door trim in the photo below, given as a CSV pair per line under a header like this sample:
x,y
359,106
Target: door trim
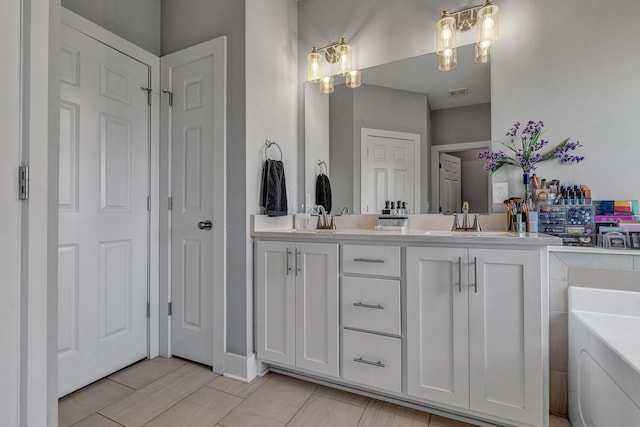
x,y
153,62
360,193
435,173
217,46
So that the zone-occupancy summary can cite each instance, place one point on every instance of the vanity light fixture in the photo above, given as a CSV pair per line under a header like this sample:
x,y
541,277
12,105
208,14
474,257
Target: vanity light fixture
x,y
484,17
336,53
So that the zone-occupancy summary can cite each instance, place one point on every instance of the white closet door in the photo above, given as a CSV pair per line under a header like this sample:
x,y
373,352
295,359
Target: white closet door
x,y
195,77
450,183
103,237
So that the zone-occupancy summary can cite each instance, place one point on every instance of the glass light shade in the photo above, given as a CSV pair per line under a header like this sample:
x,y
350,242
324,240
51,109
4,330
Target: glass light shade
x,y
483,52
448,60
314,66
343,66
487,26
354,79
445,33
326,85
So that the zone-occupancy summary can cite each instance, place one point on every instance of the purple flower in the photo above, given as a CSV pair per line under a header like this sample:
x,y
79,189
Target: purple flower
x,y
524,148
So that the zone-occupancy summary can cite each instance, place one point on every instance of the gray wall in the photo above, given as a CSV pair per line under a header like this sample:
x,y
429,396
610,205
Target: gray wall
x,y
185,24
137,21
341,148
474,181
462,124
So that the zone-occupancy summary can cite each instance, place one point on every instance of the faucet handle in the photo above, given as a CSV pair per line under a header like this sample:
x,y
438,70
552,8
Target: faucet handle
x,y
476,222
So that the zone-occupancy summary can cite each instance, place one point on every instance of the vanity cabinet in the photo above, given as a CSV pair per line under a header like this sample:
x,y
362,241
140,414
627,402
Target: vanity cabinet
x,y
297,305
475,330
371,316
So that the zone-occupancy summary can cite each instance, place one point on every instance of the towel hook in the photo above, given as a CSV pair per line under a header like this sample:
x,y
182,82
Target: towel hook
x,y
322,163
267,145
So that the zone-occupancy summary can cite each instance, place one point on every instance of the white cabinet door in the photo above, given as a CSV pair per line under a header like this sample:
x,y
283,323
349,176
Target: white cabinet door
x,y
275,311
437,325
317,307
505,334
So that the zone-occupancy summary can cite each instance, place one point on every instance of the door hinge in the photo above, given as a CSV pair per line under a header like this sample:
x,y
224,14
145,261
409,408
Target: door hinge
x,y
170,203
23,182
170,96
439,165
170,308
149,203
148,310
148,90
440,209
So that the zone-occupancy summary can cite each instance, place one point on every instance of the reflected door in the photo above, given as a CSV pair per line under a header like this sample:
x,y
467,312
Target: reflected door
x,y
103,221
450,185
390,169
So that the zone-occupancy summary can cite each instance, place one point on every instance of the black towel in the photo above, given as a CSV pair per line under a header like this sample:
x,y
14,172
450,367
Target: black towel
x,y
273,197
323,192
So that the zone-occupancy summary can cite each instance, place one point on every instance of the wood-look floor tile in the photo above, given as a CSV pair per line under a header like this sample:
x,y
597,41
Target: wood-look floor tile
x,y
204,407
558,393
145,372
238,388
96,420
320,411
272,405
155,398
558,422
88,400
437,421
344,396
384,414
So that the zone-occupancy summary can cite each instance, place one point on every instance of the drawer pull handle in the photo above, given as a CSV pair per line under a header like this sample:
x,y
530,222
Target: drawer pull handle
x,y
379,363
373,261
361,304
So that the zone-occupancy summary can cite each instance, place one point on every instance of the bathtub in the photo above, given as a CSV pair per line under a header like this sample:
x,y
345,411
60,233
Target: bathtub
x,y
604,358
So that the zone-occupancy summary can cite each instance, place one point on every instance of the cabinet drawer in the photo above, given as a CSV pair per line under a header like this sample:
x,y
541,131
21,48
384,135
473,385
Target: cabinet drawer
x,y
371,304
373,260
372,360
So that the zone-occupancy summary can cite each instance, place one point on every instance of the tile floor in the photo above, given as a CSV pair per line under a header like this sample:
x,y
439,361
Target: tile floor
x,y
174,392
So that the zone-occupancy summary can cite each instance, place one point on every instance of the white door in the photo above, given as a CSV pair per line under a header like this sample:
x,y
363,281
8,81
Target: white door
x,y
103,225
390,169
450,184
196,81
505,334
437,325
276,302
317,307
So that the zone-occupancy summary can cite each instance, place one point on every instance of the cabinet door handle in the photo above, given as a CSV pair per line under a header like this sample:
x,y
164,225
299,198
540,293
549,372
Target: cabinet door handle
x,y
288,266
361,304
373,261
459,274
475,272
379,363
297,265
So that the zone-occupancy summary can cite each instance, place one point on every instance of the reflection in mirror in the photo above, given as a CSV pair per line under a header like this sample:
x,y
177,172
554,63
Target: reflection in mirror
x,y
383,140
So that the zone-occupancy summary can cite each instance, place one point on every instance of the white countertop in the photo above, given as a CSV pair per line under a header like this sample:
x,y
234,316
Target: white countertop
x,y
413,236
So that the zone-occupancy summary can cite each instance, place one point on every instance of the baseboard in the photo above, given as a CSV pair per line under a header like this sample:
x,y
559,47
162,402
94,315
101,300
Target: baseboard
x,y
241,368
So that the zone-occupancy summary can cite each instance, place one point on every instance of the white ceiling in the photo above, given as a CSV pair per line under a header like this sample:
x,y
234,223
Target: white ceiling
x,y
421,74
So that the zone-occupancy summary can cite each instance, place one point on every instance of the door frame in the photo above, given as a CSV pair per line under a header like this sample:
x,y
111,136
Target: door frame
x,y
435,172
217,46
361,192
153,250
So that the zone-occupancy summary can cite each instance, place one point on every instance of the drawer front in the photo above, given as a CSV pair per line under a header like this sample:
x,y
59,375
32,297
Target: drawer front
x,y
371,304
372,360
372,260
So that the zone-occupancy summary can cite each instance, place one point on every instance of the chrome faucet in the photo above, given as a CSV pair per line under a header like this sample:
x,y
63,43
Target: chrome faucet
x,y
323,219
465,220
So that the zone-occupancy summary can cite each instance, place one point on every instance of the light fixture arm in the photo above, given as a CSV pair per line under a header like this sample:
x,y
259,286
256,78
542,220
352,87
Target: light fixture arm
x,y
466,18
330,53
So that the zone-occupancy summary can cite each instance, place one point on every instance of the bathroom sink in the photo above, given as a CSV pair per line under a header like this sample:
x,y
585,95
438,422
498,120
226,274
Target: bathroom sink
x,y
471,233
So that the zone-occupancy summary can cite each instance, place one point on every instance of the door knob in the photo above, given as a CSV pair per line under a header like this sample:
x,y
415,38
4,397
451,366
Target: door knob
x,y
205,225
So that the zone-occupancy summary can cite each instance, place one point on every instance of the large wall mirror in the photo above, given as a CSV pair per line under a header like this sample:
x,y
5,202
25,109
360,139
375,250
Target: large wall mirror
x,y
410,133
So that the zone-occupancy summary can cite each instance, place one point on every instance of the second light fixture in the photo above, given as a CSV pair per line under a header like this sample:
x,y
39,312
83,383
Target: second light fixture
x,y
339,54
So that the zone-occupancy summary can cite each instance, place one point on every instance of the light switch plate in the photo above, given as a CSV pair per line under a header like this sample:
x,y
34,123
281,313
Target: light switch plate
x,y
500,192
